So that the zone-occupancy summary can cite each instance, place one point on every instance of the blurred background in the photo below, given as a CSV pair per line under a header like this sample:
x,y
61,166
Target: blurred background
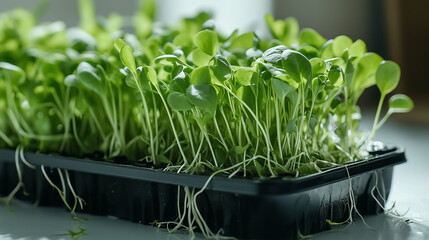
x,y
396,30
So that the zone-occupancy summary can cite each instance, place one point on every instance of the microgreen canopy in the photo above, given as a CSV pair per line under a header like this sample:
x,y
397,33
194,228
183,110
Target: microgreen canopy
x,y
186,98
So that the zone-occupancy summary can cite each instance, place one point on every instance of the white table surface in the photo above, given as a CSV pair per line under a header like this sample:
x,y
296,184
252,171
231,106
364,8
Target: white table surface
x,y
410,192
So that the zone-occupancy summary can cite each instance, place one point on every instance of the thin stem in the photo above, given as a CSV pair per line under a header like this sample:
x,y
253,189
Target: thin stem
x,y
172,125
377,115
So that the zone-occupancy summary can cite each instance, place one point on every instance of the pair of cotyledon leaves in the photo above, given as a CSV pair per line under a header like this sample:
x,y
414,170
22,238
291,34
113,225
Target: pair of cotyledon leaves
x,y
202,95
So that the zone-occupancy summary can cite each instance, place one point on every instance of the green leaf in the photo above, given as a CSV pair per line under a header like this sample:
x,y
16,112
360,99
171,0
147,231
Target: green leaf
x,y
180,80
318,66
308,168
17,74
80,106
349,73
283,30
151,75
285,78
296,65
273,70
311,37
244,76
142,77
129,78
364,72
169,59
87,75
203,96
169,48
71,81
274,54
340,44
162,159
326,50
246,94
387,76
127,58
253,53
207,42
309,51
119,44
240,150
178,101
244,41
281,89
222,69
10,67
315,85
183,39
400,103
199,58
201,75
292,98
358,48
335,76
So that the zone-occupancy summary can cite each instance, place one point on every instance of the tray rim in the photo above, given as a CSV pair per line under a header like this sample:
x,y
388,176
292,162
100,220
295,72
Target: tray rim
x,y
244,186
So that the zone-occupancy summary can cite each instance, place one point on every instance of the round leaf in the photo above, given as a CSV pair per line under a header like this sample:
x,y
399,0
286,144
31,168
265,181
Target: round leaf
x,y
274,54
201,75
244,41
387,76
400,103
207,42
296,65
363,74
178,101
203,96
358,48
340,44
311,37
244,75
326,51
199,58
87,75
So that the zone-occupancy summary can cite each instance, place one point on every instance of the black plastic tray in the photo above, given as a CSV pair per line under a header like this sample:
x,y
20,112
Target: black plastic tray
x,y
271,208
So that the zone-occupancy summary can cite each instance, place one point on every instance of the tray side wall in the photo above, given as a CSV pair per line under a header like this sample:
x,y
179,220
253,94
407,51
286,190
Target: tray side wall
x,y
243,216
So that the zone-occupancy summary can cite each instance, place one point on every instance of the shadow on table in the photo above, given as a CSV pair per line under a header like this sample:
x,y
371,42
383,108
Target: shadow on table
x,y
29,222
380,227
